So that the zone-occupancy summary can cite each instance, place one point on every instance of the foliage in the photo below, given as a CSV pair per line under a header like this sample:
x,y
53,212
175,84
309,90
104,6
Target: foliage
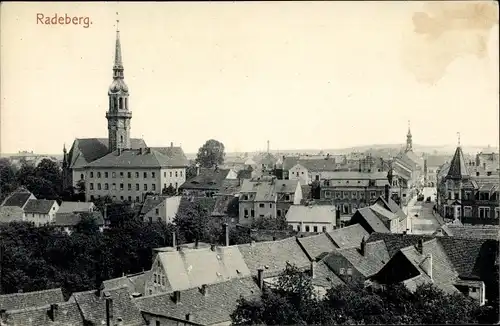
x,y
191,172
315,190
211,154
270,223
195,223
293,300
169,191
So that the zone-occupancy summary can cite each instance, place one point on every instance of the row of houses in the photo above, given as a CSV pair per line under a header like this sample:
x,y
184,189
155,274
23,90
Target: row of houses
x,y
200,284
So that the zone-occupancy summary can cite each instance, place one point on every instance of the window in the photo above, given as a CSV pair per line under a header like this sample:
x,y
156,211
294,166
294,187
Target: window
x,y
165,174
354,195
315,228
106,174
121,197
342,271
152,174
327,194
484,196
373,194
145,175
298,228
157,211
91,174
81,176
155,278
176,174
345,209
129,175
245,212
176,185
467,211
98,186
137,187
327,183
456,195
252,213
91,186
361,195
137,174
346,194
121,174
136,198
114,186
349,271
98,174
324,229
170,173
270,205
181,173
278,212
473,290
468,195
261,205
113,174
121,186
129,186
287,197
151,221
164,185
484,212
497,212
307,228
163,280
449,194
106,186
91,198
130,198
153,186
145,187
338,194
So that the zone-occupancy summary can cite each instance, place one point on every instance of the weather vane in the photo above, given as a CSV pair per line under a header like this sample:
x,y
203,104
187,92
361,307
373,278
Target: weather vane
x,y
458,134
117,21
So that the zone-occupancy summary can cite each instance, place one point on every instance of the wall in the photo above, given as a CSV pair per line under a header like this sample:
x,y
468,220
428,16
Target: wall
x,y
154,320
298,172
167,210
336,262
41,219
301,226
152,287
172,176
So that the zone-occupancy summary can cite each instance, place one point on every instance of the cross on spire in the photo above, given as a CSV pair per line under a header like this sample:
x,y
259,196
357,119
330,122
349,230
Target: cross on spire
x,y
458,135
117,22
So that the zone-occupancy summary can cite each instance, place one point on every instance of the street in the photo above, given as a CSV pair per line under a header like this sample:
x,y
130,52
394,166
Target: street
x,y
426,222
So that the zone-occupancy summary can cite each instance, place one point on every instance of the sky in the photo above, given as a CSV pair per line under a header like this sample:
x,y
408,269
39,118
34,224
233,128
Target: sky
x,y
302,75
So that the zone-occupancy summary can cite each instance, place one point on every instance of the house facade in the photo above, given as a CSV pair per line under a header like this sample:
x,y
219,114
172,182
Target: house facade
x,y
267,197
313,218
160,208
40,211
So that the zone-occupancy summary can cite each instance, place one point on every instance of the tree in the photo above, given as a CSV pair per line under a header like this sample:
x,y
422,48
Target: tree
x,y
191,172
8,182
211,154
270,223
169,191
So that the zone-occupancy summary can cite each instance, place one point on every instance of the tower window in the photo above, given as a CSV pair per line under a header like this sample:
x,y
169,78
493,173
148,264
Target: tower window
x,y
121,103
126,103
121,139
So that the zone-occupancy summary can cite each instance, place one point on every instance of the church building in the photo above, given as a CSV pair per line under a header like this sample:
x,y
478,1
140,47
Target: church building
x,y
121,167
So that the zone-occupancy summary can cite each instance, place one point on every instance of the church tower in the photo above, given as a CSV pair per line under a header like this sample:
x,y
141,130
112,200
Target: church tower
x,y
118,114
409,144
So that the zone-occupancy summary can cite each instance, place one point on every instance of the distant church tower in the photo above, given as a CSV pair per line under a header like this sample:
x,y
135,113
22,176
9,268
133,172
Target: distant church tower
x,y
118,114
409,144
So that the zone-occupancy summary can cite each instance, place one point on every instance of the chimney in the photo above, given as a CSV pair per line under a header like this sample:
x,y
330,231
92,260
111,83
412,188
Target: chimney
x,y
171,144
260,278
274,238
387,193
53,311
420,246
109,311
362,249
174,242
313,268
204,289
226,228
196,243
177,296
426,265
188,317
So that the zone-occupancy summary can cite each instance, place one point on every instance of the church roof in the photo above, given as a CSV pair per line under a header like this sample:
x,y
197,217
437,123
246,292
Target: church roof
x,y
458,168
87,150
133,158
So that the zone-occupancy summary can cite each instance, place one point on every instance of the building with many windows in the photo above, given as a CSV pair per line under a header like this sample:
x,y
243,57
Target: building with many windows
x,y
119,166
472,199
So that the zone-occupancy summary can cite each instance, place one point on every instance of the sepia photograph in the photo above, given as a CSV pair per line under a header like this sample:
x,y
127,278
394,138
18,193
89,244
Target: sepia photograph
x,y
249,163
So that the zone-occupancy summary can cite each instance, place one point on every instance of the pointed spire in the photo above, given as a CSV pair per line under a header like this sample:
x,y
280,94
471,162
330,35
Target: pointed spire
x,y
458,168
458,134
118,48
409,131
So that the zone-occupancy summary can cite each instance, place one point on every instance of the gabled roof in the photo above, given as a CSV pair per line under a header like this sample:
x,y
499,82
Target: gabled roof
x,y
349,236
316,245
86,150
267,190
176,155
93,307
68,314
382,213
367,265
135,283
458,168
187,269
324,276
73,206
473,231
17,199
16,301
273,256
135,158
367,214
39,206
150,203
72,219
11,214
392,207
210,179
318,165
215,307
314,213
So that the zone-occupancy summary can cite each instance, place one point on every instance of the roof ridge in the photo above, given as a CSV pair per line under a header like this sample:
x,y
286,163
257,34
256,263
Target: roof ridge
x,y
31,292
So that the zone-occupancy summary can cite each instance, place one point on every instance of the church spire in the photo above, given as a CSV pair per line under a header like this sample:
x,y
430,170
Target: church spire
x,y
409,143
118,66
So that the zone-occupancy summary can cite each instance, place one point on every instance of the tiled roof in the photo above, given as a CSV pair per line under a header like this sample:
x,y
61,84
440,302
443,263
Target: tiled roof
x,y
67,314
151,202
320,165
215,307
135,158
383,213
206,179
230,187
10,214
93,307
17,301
72,219
314,213
392,207
73,206
474,231
267,190
222,203
135,283
265,158
349,236
244,174
39,206
86,150
458,168
176,155
356,175
17,199
325,277
289,162
316,245
373,220
272,256
367,265
187,269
